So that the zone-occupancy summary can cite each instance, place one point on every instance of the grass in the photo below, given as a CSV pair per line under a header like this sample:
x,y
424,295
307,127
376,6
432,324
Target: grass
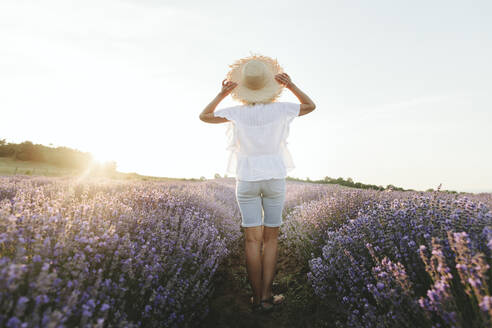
x,y
10,166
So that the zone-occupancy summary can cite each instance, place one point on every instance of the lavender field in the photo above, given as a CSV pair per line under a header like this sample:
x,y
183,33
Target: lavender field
x,y
108,253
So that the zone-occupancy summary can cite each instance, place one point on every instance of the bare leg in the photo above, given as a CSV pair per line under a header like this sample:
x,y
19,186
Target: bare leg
x,y
270,254
253,237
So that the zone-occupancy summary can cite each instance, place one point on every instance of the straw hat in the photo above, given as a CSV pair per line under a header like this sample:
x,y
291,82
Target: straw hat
x,y
255,78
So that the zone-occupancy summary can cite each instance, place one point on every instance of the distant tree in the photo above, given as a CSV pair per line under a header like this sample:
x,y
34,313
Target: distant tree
x,y
349,180
216,176
61,156
202,178
25,151
7,149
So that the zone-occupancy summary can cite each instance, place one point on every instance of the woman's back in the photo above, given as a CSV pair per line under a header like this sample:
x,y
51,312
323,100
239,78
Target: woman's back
x,y
257,139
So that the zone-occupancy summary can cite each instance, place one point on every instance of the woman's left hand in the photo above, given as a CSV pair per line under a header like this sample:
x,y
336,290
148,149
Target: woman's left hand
x,y
227,87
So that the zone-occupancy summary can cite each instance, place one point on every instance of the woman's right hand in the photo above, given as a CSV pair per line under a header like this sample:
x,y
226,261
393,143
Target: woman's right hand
x,y
284,79
227,87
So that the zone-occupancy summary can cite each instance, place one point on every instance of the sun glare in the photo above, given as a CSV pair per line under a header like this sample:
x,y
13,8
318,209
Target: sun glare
x,y
101,156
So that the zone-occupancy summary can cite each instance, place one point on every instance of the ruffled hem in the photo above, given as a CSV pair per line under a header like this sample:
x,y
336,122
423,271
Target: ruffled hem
x,y
258,167
287,158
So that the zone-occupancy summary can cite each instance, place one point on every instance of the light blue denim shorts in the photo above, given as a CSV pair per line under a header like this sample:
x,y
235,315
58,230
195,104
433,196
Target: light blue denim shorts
x,y
261,202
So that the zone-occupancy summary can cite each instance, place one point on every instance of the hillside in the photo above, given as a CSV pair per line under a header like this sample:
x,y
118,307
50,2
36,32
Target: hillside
x,y
10,166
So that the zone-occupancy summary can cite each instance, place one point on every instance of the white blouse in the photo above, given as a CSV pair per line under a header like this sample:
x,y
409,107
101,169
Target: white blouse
x,y
257,140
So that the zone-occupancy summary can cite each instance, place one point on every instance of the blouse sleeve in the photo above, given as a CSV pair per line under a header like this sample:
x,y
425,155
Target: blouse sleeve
x,y
290,110
228,113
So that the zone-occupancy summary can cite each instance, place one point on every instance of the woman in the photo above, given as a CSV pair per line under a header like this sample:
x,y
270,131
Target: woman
x,y
260,160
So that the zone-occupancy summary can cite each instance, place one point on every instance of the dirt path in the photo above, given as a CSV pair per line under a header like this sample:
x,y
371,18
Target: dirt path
x,y
230,306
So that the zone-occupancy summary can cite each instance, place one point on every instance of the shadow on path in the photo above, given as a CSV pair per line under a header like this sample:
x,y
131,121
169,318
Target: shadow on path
x,y
230,305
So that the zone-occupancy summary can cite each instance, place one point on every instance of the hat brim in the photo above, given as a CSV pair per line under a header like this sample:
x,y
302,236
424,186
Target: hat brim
x,y
269,93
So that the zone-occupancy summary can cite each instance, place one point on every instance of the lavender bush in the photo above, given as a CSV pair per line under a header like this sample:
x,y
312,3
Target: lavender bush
x,y
385,293
305,225
110,253
298,193
129,254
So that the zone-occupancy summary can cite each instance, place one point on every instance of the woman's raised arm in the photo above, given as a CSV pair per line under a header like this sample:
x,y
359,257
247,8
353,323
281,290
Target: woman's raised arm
x,y
307,105
207,115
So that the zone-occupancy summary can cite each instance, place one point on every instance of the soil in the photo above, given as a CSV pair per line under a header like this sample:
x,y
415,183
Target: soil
x,y
230,304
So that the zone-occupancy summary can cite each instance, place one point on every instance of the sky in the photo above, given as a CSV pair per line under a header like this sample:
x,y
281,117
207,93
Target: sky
x,y
402,89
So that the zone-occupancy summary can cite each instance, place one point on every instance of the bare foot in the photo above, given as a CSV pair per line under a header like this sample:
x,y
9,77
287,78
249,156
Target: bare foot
x,y
277,299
